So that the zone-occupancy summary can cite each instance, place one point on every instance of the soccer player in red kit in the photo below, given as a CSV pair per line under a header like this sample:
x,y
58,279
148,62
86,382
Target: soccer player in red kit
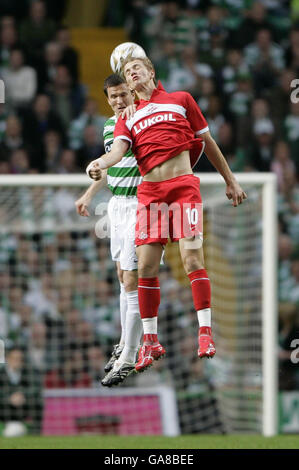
x,y
168,133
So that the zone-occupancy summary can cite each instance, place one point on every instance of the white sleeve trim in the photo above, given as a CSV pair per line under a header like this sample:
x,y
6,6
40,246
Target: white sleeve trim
x,y
202,131
123,137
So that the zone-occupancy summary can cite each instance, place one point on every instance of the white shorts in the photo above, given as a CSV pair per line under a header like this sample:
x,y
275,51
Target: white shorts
x,y
122,216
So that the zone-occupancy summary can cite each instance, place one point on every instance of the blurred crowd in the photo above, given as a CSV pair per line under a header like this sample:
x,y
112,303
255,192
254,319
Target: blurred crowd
x,y
240,60
48,124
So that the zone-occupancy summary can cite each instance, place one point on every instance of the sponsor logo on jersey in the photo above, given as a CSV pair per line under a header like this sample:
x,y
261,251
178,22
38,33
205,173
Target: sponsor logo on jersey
x,y
151,121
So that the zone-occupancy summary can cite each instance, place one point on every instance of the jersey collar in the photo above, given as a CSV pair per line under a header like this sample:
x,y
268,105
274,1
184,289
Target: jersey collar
x,y
155,92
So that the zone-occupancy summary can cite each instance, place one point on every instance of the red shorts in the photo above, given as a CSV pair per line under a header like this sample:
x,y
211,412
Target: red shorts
x,y
168,209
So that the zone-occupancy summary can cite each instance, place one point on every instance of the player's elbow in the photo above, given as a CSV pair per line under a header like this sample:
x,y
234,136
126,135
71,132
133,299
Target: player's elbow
x,y
210,146
207,138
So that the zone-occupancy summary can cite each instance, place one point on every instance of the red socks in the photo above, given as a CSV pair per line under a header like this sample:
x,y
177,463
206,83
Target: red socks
x,y
201,289
148,296
149,301
201,292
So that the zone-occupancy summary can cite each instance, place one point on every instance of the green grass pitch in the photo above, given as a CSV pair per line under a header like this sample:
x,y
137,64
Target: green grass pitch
x,y
152,442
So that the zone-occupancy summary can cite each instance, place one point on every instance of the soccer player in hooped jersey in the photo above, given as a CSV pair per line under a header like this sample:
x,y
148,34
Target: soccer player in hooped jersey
x,y
167,133
122,179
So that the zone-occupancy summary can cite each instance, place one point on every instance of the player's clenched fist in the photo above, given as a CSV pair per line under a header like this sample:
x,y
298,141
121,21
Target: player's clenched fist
x,y
94,171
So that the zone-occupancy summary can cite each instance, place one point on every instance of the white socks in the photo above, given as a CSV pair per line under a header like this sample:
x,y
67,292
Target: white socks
x,y
133,329
123,312
150,326
204,317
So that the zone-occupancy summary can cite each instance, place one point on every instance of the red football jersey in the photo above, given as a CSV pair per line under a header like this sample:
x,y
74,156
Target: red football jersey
x,y
163,127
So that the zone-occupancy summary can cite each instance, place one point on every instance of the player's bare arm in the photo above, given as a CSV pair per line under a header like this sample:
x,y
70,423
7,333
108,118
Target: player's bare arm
x,y
234,191
83,202
118,150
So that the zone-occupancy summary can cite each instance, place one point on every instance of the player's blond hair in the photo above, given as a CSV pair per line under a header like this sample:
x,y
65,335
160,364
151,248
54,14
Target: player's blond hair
x,y
145,60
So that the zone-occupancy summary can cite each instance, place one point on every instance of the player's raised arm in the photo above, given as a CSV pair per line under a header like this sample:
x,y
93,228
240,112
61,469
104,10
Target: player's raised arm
x,y
83,202
118,150
214,154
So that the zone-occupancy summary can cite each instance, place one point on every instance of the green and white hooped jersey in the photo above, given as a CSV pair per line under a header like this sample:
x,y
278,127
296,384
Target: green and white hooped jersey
x,y
124,177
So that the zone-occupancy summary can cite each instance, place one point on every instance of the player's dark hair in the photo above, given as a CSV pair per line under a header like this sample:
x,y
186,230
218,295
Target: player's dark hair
x,y
112,80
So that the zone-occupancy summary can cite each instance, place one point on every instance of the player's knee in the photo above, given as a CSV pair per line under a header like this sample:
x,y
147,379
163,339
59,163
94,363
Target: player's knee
x,y
192,263
147,270
130,281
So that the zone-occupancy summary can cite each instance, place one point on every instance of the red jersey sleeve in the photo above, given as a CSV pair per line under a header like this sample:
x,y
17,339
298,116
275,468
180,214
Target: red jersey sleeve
x,y
121,131
195,116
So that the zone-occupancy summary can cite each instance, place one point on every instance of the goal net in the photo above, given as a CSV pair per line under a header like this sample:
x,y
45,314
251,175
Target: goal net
x,y
59,317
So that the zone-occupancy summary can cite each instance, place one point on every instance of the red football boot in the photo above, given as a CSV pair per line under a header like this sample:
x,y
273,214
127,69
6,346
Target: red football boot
x,y
148,353
206,345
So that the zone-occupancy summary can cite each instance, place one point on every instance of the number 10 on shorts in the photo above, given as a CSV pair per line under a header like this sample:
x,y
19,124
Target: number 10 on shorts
x,y
192,219
192,215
